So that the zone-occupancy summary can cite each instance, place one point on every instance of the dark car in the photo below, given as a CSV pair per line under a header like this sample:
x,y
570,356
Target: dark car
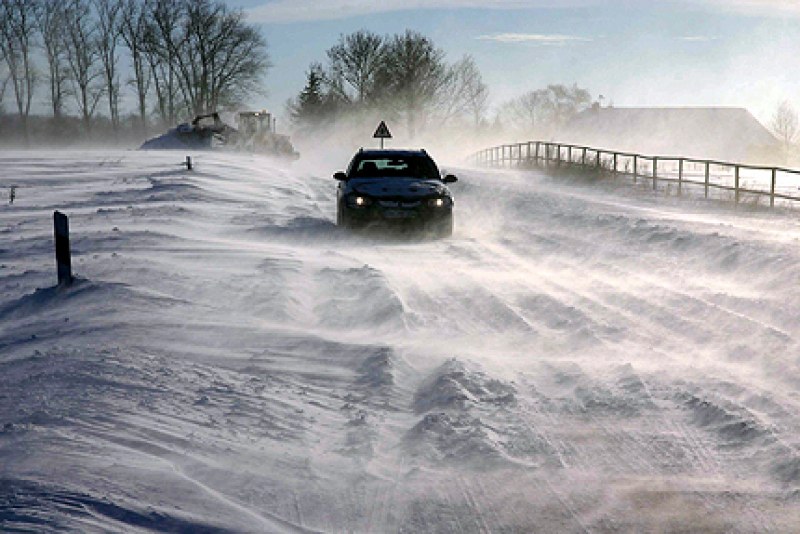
x,y
399,188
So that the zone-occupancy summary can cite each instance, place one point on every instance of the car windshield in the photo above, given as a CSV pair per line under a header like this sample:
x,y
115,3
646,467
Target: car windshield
x,y
395,166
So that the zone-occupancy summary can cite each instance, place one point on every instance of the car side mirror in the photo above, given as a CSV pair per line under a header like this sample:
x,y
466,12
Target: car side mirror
x,y
340,176
449,179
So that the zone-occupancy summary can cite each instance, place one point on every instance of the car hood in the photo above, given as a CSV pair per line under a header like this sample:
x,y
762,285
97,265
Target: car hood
x,y
397,187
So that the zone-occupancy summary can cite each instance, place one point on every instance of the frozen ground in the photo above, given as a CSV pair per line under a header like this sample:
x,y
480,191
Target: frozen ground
x,y
575,359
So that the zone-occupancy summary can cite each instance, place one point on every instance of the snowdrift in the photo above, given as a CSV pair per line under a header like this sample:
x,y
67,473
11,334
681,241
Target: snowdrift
x,y
573,359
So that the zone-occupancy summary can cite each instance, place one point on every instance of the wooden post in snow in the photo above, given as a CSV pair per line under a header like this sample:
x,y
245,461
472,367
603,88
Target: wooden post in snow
x,y
655,173
772,188
63,257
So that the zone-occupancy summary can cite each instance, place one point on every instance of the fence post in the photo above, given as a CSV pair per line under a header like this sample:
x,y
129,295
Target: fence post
x,y
537,152
708,176
599,159
63,257
615,163
736,183
772,188
655,173
583,158
188,163
569,154
635,167
680,176
558,155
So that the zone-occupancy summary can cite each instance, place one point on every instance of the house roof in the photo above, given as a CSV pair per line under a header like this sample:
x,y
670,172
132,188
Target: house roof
x,y
730,134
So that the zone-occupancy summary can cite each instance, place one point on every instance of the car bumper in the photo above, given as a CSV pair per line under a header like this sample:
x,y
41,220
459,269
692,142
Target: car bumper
x,y
397,216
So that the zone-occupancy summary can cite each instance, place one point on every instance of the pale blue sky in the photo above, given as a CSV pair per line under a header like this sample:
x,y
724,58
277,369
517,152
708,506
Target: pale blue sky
x,y
635,53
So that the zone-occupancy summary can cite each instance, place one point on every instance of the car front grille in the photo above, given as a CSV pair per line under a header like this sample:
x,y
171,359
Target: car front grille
x,y
399,204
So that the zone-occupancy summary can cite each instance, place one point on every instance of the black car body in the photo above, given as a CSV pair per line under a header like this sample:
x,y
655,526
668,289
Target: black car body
x,y
395,187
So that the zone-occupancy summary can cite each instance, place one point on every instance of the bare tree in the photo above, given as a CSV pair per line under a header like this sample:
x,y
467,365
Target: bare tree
x,y
216,58
464,94
543,110
477,93
785,124
107,39
17,27
4,76
355,61
133,31
527,112
412,76
50,18
4,79
565,101
237,61
82,56
161,42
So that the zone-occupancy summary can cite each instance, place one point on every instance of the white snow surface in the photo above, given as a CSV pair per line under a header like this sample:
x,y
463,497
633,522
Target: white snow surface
x,y
576,358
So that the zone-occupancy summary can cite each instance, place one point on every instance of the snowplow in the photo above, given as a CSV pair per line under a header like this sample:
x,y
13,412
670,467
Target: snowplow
x,y
256,133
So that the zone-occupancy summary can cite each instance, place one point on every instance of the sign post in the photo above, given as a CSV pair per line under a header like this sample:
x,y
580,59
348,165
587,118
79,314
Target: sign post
x,y
63,260
382,133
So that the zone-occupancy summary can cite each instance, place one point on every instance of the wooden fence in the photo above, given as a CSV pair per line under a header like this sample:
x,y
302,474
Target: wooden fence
x,y
773,182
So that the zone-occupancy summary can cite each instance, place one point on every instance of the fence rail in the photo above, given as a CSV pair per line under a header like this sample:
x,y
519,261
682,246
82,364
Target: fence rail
x,y
774,182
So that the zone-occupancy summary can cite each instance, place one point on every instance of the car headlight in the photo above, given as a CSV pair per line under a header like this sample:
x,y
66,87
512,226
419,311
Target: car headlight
x,y
359,201
439,202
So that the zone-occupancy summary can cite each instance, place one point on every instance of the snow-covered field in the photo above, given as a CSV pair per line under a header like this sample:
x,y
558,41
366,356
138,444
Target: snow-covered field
x,y
575,359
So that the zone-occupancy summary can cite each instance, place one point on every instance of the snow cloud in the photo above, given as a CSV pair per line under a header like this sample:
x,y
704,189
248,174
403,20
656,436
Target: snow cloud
x,y
288,11
758,7
697,38
284,11
534,38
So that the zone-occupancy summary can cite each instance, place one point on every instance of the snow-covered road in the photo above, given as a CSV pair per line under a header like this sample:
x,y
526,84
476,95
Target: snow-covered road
x,y
577,358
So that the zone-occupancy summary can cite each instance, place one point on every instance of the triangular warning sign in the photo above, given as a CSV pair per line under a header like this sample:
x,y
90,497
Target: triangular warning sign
x,y
382,132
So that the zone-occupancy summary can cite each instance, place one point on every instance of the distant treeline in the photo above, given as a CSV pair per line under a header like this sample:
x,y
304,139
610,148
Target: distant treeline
x,y
179,57
406,78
